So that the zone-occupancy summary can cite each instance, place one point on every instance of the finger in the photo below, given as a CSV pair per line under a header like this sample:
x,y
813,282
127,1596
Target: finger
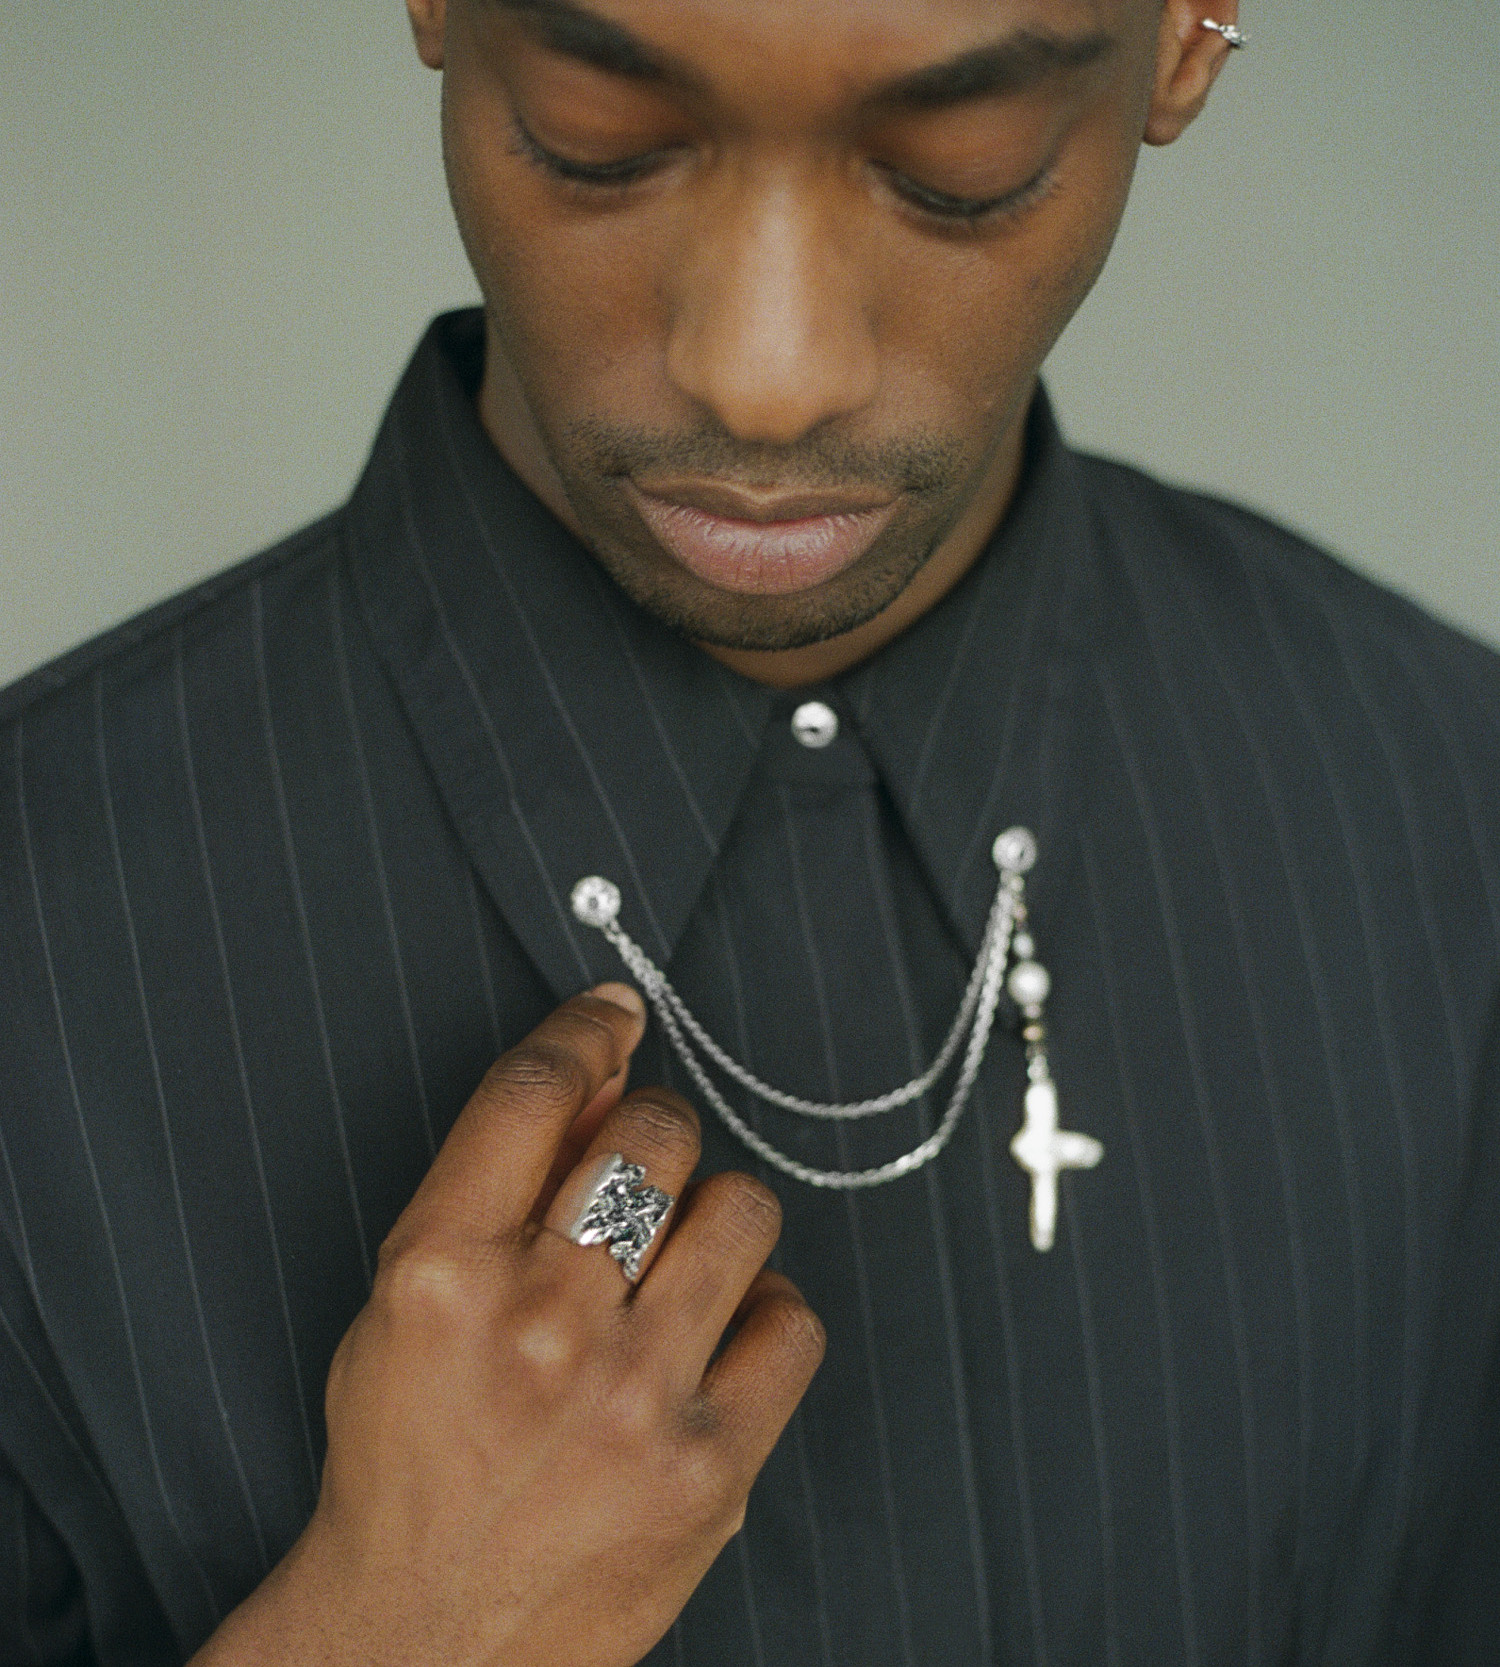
x,y
652,1128
727,1228
576,1141
498,1154
754,1387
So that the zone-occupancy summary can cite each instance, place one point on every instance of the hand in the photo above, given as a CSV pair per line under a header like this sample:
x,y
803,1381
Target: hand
x,y
529,1462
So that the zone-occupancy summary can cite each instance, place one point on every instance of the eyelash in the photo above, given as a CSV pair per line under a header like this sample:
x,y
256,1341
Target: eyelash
x,y
967,212
960,212
606,175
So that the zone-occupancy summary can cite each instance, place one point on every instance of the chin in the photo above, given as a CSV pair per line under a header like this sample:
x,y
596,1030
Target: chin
x,y
764,624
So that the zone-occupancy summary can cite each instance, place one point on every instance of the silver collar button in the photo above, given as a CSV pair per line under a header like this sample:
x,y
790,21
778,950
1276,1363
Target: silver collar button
x,y
815,725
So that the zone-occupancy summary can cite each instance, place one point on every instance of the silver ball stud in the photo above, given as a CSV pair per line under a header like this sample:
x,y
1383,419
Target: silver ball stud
x,y
1016,851
596,902
816,725
1029,984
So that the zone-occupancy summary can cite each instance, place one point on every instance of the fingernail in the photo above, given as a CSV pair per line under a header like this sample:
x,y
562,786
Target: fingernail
x,y
622,996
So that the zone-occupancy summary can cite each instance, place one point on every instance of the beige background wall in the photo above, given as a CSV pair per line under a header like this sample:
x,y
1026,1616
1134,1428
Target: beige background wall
x,y
222,226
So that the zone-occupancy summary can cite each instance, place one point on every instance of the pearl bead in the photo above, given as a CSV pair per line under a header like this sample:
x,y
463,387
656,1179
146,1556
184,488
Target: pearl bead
x,y
596,902
1016,851
1029,984
1023,945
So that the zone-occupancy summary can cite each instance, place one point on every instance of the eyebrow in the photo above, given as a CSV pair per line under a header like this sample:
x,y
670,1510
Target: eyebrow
x,y
1012,65
578,33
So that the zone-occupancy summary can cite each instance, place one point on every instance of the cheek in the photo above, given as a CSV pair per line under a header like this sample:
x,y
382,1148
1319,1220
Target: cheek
x,y
574,298
982,316
585,334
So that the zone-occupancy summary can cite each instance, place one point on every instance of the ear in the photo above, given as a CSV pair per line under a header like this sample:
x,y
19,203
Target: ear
x,y
429,19
1188,60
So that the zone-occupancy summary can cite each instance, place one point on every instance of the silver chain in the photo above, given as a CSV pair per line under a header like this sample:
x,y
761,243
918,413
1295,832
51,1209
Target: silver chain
x,y
596,903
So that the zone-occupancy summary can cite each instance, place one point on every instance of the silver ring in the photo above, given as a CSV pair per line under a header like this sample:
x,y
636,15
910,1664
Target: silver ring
x,y
621,1211
1231,32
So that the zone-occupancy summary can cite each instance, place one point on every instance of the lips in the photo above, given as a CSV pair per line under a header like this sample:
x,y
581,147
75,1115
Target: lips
x,y
776,550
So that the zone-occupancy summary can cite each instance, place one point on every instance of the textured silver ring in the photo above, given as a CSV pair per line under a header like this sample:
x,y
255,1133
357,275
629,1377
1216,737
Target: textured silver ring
x,y
621,1211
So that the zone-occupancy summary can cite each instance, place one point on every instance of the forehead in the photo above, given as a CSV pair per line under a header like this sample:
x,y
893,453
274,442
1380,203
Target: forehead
x,y
861,42
867,18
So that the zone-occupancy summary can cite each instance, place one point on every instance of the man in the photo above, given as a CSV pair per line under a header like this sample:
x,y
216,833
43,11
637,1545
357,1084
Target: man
x,y
732,566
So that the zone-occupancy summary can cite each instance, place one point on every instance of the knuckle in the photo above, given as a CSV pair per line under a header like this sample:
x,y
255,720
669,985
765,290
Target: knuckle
x,y
584,1027
748,1211
423,1284
542,1073
635,1412
596,1016
548,1344
797,1331
660,1126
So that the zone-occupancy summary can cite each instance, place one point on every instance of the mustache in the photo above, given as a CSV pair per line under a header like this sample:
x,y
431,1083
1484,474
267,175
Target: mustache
x,y
916,463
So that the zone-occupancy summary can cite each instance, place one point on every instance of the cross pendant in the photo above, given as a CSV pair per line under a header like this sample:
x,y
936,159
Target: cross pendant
x,y
1044,1151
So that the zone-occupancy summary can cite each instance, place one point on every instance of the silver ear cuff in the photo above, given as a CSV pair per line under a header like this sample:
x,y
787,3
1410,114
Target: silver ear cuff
x,y
1230,31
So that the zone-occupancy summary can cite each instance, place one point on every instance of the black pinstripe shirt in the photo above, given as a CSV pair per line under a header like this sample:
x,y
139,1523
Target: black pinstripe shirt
x,y
285,862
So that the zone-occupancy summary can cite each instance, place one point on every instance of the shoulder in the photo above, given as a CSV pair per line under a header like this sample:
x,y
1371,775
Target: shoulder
x,y
115,741
1286,597
200,610
1307,724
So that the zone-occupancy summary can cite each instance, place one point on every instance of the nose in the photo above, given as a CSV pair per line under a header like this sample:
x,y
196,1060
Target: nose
x,y
770,330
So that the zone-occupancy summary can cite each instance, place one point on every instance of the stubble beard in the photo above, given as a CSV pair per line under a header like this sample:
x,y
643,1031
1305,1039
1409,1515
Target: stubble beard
x,y
721,619
593,460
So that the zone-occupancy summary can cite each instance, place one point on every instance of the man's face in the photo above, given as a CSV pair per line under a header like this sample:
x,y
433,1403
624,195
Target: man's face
x,y
769,281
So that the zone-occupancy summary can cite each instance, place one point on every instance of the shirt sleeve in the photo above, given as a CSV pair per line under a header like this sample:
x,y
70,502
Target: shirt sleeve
x,y
1461,1625
42,1617
73,1589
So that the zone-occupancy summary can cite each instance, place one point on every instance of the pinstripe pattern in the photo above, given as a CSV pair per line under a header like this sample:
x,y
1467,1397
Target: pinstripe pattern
x,y
1172,1416
833,1087
16,1219
377,857
1385,1025
879,893
1318,979
106,1227
178,1207
281,867
1112,1646
304,932
795,1443
1213,1150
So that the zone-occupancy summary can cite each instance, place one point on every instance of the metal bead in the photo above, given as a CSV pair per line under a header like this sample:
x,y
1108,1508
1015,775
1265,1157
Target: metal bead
x,y
816,725
1016,851
1029,984
1034,1033
596,901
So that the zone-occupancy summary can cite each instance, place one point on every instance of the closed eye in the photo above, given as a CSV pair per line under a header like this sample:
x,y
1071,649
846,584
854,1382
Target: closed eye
x,y
626,170
938,205
968,211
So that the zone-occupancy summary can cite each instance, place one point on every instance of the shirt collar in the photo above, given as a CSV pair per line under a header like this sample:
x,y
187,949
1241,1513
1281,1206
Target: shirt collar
x,y
972,716
571,734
